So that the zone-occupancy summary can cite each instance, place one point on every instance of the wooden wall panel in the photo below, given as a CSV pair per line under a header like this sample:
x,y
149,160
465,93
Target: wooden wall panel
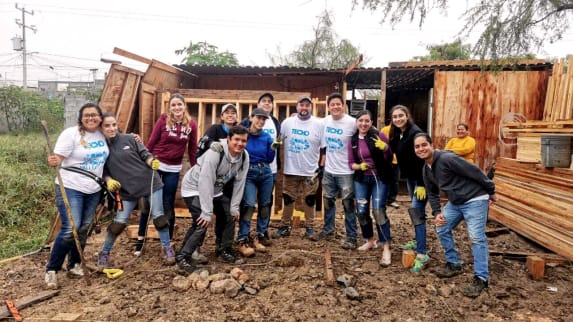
x,y
146,113
481,100
119,95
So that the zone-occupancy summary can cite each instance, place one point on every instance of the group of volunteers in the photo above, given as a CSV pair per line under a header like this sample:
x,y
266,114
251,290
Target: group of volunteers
x,y
233,172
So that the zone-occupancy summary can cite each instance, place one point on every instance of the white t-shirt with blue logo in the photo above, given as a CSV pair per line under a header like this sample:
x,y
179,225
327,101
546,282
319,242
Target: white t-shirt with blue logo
x,y
301,140
270,128
89,155
336,138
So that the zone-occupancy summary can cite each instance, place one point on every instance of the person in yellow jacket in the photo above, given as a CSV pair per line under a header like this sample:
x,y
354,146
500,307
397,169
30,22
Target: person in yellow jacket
x,y
392,186
463,145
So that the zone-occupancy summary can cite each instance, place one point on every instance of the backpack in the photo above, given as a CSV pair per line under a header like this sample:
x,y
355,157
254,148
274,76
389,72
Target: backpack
x,y
107,198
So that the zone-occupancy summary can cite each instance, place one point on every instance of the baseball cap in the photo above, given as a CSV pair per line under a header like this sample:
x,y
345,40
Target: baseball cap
x,y
260,112
266,94
304,98
228,106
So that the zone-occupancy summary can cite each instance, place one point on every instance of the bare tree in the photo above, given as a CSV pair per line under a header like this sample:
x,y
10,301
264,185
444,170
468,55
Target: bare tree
x,y
511,28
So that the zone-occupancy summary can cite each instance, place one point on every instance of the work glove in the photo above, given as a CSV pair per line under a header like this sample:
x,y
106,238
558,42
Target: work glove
x,y
420,193
113,185
364,166
276,144
155,164
379,144
112,273
216,146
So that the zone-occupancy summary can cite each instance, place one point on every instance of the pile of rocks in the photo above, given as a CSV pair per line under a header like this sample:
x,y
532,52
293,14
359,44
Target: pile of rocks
x,y
229,284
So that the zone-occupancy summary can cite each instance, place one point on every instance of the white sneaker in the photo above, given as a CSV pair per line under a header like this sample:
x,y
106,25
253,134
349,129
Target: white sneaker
x,y
51,280
76,270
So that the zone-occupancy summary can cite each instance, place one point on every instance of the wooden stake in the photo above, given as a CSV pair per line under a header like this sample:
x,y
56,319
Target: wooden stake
x,y
328,272
27,301
535,267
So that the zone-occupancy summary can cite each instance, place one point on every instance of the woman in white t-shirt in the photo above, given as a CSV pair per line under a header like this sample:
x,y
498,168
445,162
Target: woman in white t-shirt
x,y
81,146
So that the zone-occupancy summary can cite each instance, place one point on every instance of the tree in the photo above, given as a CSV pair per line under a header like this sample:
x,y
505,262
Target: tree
x,y
510,28
447,51
203,53
324,51
22,110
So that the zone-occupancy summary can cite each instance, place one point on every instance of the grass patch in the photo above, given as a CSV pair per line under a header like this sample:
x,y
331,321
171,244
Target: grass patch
x,y
26,193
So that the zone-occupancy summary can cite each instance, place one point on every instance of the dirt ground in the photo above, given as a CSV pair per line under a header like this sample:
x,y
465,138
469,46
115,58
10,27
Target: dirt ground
x,y
290,285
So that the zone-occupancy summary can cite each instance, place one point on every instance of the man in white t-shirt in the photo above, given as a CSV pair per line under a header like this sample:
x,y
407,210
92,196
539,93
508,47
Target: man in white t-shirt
x,y
338,176
301,135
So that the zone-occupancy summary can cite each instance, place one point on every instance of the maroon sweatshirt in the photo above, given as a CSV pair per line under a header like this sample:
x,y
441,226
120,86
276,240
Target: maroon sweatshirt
x,y
169,144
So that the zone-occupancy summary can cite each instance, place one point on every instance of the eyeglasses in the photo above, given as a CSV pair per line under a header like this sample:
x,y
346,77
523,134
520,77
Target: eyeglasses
x,y
90,116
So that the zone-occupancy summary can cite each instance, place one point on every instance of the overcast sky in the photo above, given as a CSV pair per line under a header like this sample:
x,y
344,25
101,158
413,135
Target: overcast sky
x,y
72,36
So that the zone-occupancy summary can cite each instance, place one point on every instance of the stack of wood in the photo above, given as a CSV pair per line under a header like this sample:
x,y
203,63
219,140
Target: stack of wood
x,y
559,96
536,202
529,136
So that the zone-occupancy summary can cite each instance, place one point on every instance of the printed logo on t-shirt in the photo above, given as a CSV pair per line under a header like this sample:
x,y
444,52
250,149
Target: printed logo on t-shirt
x,y
333,141
300,143
269,131
96,159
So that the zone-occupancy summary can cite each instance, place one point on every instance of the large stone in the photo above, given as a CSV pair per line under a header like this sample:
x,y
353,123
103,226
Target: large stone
x,y
218,277
243,278
445,291
346,280
250,290
201,285
181,283
236,272
193,277
351,293
232,288
218,287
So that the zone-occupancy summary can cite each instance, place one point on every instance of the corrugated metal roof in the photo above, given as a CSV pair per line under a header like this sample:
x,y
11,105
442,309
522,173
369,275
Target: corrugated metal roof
x,y
507,64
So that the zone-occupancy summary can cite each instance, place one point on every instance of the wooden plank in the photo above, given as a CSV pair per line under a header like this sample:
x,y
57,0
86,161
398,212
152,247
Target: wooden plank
x,y
66,317
541,130
328,270
147,100
382,102
408,258
547,257
27,301
549,99
130,55
535,267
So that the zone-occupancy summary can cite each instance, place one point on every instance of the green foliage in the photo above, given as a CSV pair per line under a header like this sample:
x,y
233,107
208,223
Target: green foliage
x,y
26,193
324,51
448,51
203,53
510,28
23,110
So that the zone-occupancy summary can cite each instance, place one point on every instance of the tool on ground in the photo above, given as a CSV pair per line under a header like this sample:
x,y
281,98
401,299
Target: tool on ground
x,y
112,273
68,208
14,311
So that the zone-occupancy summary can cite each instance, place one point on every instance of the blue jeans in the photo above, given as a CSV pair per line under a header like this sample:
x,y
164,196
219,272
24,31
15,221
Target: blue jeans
x,y
333,184
83,207
371,187
258,192
475,215
419,230
170,181
123,215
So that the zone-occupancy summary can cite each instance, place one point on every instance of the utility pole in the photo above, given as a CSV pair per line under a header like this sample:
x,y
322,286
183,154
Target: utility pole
x,y
24,26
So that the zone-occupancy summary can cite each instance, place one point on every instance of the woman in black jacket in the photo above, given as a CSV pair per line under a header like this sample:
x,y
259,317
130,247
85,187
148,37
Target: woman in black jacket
x,y
370,157
402,134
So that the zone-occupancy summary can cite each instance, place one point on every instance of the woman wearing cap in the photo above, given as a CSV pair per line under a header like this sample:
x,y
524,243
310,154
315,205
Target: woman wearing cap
x,y
258,187
173,134
219,132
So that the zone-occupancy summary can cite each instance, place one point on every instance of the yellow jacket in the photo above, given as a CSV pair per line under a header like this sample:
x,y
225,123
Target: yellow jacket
x,y
386,131
463,147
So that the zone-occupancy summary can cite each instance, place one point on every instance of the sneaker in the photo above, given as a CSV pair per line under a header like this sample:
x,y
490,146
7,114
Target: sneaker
x,y
371,244
259,247
199,258
475,288
229,256
310,234
264,239
283,231
394,204
103,260
185,266
326,236
245,249
420,263
386,259
138,247
410,245
76,271
349,244
51,280
169,256
449,270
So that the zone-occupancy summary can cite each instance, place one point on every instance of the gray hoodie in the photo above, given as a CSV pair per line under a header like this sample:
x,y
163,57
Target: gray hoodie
x,y
207,178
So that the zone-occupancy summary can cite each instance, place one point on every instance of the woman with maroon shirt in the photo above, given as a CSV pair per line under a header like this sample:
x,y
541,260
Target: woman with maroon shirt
x,y
172,134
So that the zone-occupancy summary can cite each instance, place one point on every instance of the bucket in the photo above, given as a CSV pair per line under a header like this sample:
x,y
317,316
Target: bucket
x,y
556,151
